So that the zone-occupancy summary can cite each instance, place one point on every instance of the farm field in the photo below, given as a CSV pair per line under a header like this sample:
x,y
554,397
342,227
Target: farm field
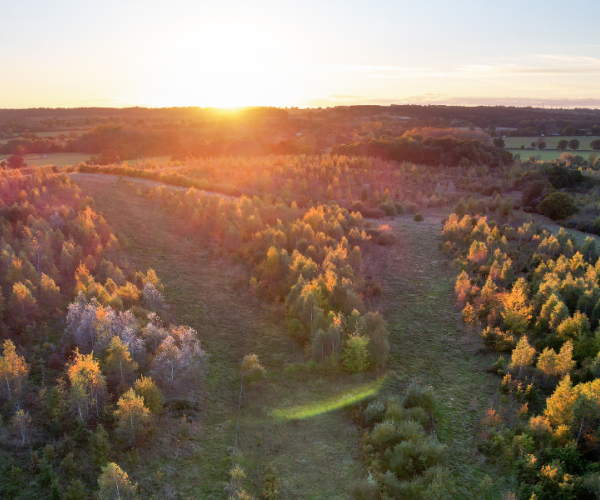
x,y
293,419
543,155
551,142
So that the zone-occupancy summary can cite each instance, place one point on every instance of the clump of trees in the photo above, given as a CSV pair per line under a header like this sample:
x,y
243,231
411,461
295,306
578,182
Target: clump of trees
x,y
310,261
400,450
535,296
88,358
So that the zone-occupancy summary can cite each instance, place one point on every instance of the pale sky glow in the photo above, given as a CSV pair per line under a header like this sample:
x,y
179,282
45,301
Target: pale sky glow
x,y
311,53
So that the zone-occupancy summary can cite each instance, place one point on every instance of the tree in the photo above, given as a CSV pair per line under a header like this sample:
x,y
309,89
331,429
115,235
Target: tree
x,y
523,355
516,311
558,206
562,144
13,370
133,417
355,356
569,130
541,145
88,386
595,145
16,161
499,142
20,424
22,304
251,368
100,448
118,359
153,398
574,144
179,362
114,484
559,406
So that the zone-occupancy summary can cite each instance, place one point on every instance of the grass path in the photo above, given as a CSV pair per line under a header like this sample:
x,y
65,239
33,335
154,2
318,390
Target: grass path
x,y
428,342
316,457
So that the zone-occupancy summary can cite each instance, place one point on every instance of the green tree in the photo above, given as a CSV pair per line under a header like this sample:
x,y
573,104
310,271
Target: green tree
x,y
499,142
153,397
574,144
355,356
595,145
118,359
541,145
558,206
562,144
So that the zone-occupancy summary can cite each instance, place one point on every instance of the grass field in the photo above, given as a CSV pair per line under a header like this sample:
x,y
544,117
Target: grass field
x,y
58,159
551,142
544,155
296,420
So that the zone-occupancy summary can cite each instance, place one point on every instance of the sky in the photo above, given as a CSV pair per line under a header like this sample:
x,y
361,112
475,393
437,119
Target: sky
x,y
314,53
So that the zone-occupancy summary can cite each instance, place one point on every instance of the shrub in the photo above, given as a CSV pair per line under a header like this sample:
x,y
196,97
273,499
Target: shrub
x,y
375,411
355,357
386,238
399,208
418,217
388,207
384,434
251,368
558,206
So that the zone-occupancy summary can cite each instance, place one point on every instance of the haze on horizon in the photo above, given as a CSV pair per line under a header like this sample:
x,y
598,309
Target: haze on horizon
x,y
185,53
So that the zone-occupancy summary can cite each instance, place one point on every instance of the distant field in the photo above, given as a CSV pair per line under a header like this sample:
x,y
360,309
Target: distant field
x,y
551,142
56,133
543,155
58,159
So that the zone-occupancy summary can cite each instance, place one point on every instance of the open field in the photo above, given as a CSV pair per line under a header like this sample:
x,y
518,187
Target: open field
x,y
296,420
58,159
544,155
551,142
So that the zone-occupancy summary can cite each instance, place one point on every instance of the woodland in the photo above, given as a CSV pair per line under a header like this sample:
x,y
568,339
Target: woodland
x,y
356,302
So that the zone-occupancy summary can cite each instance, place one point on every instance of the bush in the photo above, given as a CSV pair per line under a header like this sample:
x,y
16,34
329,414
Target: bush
x,y
388,207
251,368
355,357
418,217
399,208
558,206
386,238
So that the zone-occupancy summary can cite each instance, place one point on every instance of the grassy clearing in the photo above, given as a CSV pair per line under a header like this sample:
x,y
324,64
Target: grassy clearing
x,y
294,419
316,456
429,343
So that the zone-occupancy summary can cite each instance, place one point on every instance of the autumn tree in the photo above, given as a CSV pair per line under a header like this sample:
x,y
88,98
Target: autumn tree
x,y
516,311
523,355
115,484
88,386
13,371
133,417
